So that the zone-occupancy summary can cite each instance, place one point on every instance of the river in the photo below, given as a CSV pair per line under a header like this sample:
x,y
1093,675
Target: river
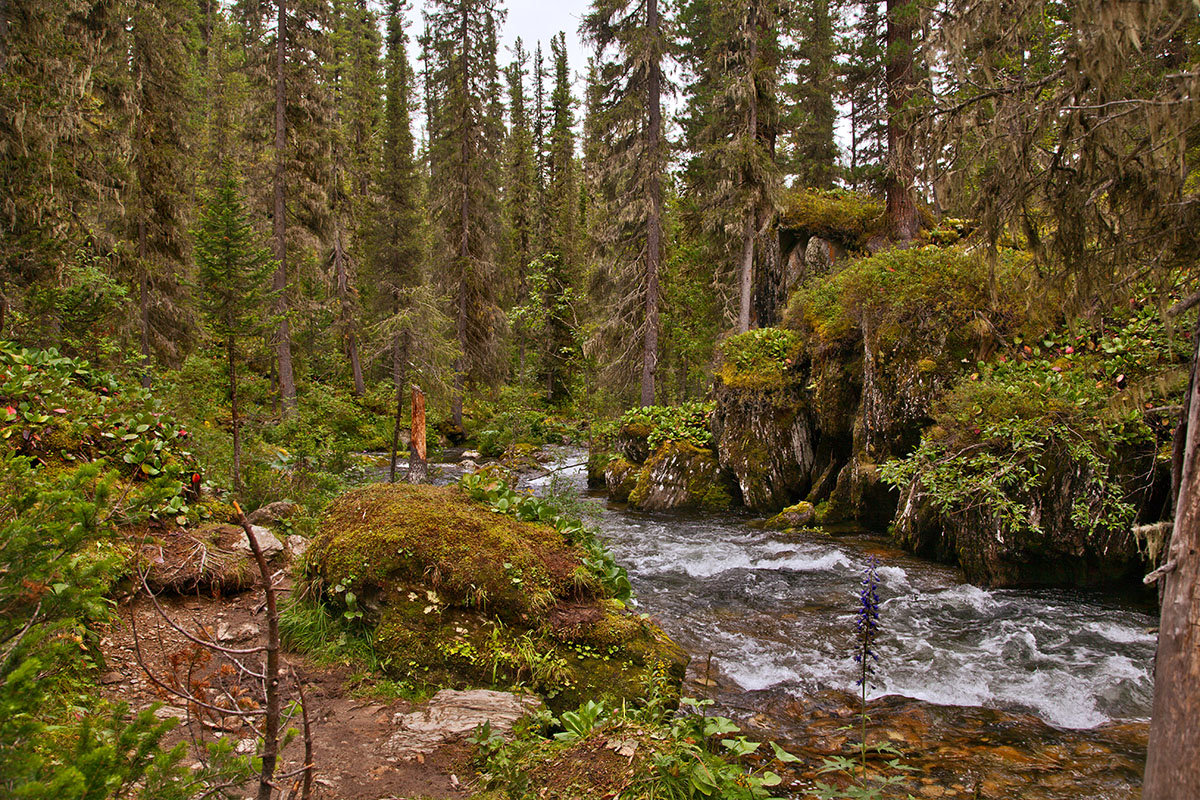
x,y
1001,693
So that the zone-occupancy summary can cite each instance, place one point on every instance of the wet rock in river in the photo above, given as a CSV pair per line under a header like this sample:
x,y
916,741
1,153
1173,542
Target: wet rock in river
x,y
680,475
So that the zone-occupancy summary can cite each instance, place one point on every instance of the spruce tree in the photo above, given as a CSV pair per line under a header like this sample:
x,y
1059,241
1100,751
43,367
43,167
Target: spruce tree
x,y
562,204
810,152
900,72
631,43
233,272
397,253
464,141
864,93
520,187
733,59
162,65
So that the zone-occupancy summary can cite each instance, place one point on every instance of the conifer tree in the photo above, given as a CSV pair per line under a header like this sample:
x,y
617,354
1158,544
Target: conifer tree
x,y
397,253
233,271
864,93
733,58
465,142
520,187
162,65
562,209
631,43
356,89
900,73
810,150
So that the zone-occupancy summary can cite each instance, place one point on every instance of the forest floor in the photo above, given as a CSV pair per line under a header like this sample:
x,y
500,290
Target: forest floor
x,y
350,732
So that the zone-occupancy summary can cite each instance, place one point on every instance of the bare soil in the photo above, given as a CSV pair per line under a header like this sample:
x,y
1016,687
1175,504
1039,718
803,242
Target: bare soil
x,y
348,732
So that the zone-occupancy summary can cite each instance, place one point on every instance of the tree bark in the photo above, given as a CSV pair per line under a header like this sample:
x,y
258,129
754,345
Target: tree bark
x,y
144,301
399,357
235,421
1173,761
283,345
654,223
346,308
749,229
901,206
418,468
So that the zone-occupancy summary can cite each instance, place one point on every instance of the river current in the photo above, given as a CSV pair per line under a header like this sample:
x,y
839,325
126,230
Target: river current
x,y
992,693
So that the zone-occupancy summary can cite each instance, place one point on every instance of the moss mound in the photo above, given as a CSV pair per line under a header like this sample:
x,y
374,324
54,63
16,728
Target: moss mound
x,y
846,217
458,595
762,359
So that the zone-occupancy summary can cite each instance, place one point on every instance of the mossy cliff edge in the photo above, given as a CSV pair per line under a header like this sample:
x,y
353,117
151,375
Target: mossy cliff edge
x,y
945,398
458,595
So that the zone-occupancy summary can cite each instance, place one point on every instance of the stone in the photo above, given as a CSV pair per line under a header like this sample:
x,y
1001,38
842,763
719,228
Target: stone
x,y
620,476
796,516
681,476
273,513
267,542
633,441
766,440
820,255
240,633
470,455
452,714
297,546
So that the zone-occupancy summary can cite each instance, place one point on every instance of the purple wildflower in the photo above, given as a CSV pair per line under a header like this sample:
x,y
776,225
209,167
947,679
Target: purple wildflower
x,y
866,627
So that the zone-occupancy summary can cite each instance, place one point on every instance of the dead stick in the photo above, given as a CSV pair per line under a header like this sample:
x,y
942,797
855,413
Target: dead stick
x,y
271,724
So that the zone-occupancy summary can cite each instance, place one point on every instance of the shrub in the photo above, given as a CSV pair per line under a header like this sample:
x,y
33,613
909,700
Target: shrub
x,y
759,359
687,422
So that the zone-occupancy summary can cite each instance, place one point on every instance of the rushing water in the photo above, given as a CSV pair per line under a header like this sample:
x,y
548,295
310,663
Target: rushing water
x,y
768,618
992,693
776,610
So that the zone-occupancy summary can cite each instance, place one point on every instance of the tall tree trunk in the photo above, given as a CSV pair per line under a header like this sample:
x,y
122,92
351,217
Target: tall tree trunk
x,y
418,467
901,206
399,368
746,281
144,299
3,35
283,347
235,421
346,308
1173,761
654,223
464,242
749,229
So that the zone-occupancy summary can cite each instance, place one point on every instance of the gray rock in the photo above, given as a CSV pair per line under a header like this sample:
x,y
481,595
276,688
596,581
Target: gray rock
x,y
274,513
470,455
819,255
297,546
452,714
240,633
266,541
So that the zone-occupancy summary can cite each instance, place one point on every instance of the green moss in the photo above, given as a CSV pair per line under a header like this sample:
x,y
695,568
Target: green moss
x,y
469,597
641,487
849,218
760,360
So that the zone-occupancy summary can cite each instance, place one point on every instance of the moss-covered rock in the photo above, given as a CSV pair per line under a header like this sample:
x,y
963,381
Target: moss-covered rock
x,y
620,476
680,475
765,439
597,464
633,440
794,516
1047,547
848,218
460,596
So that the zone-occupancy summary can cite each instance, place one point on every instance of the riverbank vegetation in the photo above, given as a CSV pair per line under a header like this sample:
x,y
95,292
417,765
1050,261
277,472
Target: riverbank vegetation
x,y
930,270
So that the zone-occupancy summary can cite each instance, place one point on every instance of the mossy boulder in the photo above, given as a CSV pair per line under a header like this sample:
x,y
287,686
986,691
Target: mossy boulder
x,y
794,516
621,477
633,440
597,464
680,475
460,596
765,439
1046,547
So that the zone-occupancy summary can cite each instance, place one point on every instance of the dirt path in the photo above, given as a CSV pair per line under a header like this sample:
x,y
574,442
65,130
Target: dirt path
x,y
350,734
